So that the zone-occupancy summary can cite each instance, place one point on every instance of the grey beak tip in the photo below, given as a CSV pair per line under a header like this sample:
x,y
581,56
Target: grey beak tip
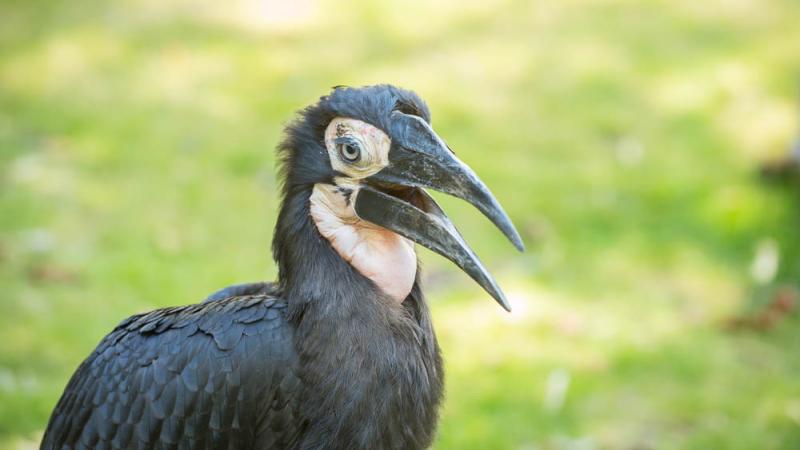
x,y
500,298
503,222
519,244
513,235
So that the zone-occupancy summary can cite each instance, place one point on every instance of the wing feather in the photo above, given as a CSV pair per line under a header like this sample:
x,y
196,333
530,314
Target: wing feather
x,y
214,375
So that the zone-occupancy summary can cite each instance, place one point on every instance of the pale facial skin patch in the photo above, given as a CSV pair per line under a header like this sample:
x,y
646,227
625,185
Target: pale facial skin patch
x,y
358,150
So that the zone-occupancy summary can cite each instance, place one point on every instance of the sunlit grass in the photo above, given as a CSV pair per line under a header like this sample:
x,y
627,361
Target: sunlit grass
x,y
136,162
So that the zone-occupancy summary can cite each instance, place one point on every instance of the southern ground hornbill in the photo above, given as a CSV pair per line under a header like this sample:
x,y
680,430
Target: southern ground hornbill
x,y
338,353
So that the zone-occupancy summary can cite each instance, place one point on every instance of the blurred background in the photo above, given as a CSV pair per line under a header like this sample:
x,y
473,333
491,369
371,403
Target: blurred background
x,y
641,147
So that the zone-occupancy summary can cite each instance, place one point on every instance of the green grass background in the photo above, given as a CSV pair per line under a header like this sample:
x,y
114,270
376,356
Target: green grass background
x,y
623,137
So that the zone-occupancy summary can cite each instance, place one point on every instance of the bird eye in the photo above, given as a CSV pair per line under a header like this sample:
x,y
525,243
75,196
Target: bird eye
x,y
349,151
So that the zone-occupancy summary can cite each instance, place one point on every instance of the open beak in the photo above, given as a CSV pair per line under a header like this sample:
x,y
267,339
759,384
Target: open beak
x,y
391,198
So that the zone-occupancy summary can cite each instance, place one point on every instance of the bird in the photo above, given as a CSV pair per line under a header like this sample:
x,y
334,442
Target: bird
x,y
339,352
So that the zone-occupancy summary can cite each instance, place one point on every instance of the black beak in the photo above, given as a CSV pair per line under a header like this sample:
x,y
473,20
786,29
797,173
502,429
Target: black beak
x,y
419,158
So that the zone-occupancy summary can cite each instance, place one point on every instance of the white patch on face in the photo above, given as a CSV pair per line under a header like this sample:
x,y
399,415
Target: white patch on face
x,y
385,257
371,143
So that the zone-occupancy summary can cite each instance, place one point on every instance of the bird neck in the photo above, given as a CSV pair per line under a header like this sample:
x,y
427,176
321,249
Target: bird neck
x,y
310,268
355,341
383,256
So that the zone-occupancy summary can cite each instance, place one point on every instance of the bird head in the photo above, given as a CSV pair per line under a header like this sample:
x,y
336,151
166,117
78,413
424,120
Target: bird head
x,y
375,147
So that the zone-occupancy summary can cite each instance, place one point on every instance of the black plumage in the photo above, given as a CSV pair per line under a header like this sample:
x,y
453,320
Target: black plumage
x,y
185,377
319,359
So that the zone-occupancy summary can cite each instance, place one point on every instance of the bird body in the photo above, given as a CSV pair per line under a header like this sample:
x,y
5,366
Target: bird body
x,y
336,354
226,374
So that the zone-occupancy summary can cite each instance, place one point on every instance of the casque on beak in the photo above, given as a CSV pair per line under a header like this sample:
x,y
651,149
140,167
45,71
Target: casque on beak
x,y
392,199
